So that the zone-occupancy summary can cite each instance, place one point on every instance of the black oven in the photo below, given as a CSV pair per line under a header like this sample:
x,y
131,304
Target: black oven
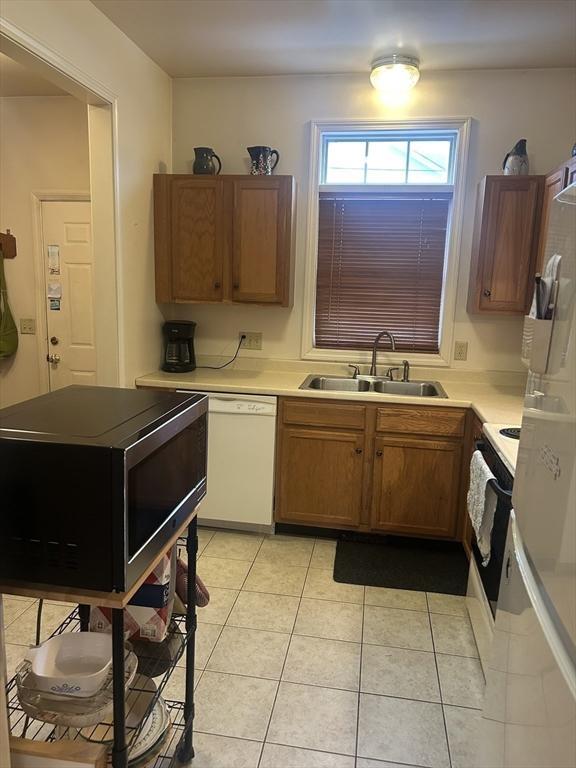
x,y
95,480
501,485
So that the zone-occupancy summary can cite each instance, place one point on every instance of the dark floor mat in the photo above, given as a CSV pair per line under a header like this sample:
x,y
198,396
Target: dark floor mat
x,y
402,563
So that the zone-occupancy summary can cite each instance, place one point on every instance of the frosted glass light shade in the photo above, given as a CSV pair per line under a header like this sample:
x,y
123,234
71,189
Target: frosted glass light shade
x,y
395,74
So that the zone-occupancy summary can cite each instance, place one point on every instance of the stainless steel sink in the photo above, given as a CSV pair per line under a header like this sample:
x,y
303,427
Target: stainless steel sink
x,y
373,384
412,388
336,383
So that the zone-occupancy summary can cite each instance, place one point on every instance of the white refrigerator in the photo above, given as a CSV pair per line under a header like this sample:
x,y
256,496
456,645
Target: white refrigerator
x,y
529,715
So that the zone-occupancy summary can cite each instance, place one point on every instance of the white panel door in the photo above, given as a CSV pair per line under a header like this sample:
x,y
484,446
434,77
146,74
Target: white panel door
x,y
69,283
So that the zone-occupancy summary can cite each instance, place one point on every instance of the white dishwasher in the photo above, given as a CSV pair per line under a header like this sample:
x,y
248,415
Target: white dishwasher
x,y
241,441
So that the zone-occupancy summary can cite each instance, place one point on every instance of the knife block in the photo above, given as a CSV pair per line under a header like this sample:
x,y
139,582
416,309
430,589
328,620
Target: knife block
x,y
536,343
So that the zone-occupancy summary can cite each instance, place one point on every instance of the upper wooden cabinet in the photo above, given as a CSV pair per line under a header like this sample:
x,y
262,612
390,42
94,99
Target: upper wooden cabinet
x,y
505,244
554,183
223,238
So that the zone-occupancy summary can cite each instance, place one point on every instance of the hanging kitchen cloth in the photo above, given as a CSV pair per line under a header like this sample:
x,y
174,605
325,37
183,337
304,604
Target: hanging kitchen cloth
x,y
8,330
481,502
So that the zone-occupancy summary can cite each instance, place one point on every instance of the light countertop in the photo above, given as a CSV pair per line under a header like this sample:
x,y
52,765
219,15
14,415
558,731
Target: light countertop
x,y
506,447
492,401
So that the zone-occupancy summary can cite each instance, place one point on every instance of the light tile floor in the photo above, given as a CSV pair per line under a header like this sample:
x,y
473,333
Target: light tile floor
x,y
297,671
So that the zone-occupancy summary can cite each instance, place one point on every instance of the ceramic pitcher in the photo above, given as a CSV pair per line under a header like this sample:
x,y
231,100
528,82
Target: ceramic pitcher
x,y
261,160
203,163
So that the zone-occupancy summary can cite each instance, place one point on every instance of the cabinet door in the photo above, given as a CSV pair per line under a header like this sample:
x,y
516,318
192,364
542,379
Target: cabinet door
x,y
415,486
505,244
554,183
319,477
261,240
198,235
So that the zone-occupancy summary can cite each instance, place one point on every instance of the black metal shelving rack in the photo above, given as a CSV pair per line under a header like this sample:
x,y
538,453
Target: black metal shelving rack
x,y
178,747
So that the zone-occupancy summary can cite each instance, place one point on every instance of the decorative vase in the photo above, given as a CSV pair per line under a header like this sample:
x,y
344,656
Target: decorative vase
x,y
261,160
516,161
203,163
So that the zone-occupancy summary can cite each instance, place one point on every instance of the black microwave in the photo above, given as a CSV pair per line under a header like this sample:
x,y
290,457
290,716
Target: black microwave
x,y
94,481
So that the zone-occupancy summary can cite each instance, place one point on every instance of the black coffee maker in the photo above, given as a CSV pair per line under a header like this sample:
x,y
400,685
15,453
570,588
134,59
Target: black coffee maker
x,y
179,346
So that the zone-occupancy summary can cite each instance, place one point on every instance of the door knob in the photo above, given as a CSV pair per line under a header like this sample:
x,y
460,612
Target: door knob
x,y
54,359
54,340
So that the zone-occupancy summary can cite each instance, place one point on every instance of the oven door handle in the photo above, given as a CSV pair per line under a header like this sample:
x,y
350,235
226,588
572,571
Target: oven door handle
x,y
493,483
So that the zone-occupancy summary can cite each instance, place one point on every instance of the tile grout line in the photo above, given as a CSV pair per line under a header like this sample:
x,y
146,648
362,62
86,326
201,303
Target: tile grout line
x,y
231,609
332,688
439,685
285,657
360,677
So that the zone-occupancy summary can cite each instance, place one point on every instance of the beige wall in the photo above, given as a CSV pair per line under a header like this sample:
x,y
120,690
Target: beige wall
x,y
43,147
230,114
86,40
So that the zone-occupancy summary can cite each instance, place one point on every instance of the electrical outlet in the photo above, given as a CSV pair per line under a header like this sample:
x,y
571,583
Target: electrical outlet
x,y
460,350
253,340
27,325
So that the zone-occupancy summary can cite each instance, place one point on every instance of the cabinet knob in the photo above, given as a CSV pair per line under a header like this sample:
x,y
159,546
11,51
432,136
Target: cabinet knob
x,y
236,286
358,450
378,453
216,285
487,292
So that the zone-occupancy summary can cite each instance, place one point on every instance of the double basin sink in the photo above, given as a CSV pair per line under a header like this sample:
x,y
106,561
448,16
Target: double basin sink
x,y
373,384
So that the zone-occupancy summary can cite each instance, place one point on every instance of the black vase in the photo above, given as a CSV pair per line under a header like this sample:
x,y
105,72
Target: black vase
x,y
203,163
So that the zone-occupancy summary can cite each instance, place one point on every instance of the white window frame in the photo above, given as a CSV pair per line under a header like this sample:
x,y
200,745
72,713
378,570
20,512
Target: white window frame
x,y
318,128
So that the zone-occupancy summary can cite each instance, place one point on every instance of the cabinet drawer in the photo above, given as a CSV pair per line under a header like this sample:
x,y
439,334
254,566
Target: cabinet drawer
x,y
421,421
317,414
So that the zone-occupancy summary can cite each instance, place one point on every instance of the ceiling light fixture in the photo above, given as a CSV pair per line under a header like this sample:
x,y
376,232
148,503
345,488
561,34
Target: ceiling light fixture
x,y
395,74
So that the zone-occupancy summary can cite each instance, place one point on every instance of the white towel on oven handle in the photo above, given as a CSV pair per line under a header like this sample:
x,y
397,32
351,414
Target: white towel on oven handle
x,y
481,503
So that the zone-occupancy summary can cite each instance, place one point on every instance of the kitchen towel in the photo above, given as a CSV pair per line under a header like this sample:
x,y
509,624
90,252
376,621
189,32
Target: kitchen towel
x,y
481,503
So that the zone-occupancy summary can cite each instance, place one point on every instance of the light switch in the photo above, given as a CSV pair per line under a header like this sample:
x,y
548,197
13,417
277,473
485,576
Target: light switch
x,y
27,325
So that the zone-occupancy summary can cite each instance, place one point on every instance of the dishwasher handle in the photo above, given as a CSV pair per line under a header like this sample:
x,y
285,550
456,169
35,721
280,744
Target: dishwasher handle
x,y
255,405
250,407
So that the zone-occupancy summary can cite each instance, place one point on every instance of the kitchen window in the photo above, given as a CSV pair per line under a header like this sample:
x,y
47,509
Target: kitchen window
x,y
383,215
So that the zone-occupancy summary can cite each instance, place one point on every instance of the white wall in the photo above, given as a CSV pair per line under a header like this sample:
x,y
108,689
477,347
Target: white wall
x,y
85,39
230,114
43,147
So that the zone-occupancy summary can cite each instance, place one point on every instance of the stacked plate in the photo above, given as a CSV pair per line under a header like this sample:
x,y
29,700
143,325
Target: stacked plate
x,y
154,730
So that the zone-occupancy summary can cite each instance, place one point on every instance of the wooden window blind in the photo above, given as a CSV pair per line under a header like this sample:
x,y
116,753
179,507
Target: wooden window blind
x,y
380,265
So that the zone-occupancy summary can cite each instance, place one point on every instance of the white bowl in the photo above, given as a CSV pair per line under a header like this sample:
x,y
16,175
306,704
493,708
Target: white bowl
x,y
72,664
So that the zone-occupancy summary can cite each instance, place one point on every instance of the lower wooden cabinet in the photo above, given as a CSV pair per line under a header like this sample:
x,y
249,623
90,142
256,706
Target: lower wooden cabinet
x,y
369,467
415,486
319,481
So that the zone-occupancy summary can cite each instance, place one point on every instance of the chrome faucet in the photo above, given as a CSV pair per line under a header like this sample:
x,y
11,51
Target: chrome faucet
x,y
375,347
405,370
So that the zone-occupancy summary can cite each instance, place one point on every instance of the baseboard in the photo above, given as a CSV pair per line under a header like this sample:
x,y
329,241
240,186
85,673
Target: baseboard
x,y
236,526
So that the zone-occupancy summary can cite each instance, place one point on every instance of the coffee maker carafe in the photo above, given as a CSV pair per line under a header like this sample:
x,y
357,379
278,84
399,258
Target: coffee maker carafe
x,y
179,346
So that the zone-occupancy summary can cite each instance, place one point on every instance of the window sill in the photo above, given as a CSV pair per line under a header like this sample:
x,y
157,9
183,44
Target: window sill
x,y
385,357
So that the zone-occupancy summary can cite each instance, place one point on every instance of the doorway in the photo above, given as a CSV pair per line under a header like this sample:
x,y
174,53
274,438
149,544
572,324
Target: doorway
x,y
68,267
72,163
